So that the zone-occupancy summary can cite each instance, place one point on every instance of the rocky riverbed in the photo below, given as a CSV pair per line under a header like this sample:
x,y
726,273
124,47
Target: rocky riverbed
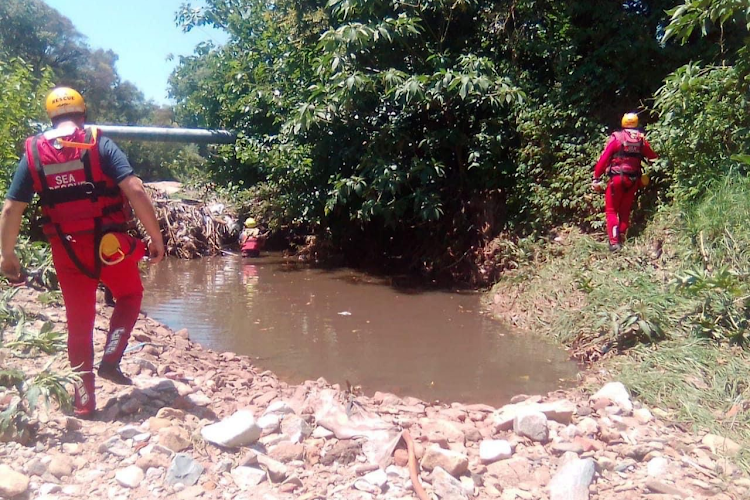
x,y
210,425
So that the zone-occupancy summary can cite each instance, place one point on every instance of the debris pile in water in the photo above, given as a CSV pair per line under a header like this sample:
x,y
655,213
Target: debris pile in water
x,y
192,228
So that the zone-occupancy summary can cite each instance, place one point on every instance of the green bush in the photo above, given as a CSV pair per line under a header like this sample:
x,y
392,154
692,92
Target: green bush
x,y
703,123
717,276
21,97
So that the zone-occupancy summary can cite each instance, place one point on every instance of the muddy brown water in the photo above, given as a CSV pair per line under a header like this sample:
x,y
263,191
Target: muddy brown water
x,y
341,324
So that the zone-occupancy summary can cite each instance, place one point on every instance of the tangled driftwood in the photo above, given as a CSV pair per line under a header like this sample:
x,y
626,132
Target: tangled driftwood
x,y
192,229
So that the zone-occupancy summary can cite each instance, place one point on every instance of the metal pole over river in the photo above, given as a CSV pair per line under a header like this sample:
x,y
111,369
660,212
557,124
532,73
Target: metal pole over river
x,y
168,134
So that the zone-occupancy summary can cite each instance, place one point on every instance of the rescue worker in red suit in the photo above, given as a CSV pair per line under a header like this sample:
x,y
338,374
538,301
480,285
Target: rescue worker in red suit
x,y
621,161
86,189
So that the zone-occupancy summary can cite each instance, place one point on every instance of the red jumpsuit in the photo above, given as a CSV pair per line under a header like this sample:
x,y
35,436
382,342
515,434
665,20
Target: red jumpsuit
x,y
80,203
624,170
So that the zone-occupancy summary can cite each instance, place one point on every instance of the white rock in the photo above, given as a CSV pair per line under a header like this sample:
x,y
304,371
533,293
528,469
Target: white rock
x,y
91,476
296,429
321,432
446,486
363,485
199,399
617,393
279,408
224,465
643,415
588,426
49,488
238,430
561,411
377,477
142,437
657,466
277,471
115,446
569,432
452,462
394,471
247,477
269,423
130,477
572,480
128,432
532,425
71,490
492,450
468,485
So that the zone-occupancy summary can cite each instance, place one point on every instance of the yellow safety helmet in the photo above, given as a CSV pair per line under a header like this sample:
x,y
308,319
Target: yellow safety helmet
x,y
629,120
63,101
250,222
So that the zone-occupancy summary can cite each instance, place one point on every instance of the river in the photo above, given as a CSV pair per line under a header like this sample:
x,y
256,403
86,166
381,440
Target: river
x,y
344,325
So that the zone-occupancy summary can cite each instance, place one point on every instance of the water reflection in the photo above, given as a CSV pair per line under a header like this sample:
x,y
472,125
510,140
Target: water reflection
x,y
305,323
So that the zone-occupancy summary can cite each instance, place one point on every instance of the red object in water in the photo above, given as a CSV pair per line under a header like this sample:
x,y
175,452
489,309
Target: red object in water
x,y
251,247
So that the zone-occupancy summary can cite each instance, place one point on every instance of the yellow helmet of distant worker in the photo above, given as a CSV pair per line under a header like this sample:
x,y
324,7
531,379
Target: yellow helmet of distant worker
x,y
629,120
64,101
250,222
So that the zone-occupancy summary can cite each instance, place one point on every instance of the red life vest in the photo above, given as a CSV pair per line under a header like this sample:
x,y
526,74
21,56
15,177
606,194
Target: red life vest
x,y
627,159
76,196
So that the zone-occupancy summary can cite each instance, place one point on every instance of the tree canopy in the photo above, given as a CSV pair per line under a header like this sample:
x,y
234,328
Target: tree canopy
x,y
423,129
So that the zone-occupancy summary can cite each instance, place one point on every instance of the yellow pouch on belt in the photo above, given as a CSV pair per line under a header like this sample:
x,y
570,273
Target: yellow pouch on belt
x,y
116,247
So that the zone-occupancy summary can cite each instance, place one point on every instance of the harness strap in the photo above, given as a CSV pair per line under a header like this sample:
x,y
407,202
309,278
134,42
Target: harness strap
x,y
38,166
86,159
85,191
110,209
96,273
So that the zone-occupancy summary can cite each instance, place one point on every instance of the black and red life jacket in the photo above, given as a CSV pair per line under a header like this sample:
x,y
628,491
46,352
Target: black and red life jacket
x,y
76,196
627,159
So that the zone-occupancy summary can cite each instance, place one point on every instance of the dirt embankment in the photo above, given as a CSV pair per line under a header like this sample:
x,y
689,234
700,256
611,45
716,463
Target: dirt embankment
x,y
202,424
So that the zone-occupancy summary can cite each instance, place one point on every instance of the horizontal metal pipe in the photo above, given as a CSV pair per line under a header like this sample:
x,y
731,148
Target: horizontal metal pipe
x,y
168,134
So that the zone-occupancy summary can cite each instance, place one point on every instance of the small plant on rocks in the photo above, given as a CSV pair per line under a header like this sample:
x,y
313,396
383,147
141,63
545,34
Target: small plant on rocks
x,y
44,389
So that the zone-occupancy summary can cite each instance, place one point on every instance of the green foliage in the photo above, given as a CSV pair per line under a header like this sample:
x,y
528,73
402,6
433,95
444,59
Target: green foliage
x,y
704,15
598,301
718,278
9,314
20,106
32,390
40,391
47,387
559,146
36,260
11,377
46,340
372,121
702,124
57,54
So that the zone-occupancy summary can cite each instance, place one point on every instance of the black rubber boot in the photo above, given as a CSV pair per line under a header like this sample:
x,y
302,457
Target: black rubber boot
x,y
615,248
114,374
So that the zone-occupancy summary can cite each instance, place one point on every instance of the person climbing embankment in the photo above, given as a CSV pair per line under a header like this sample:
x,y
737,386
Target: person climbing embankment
x,y
621,161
